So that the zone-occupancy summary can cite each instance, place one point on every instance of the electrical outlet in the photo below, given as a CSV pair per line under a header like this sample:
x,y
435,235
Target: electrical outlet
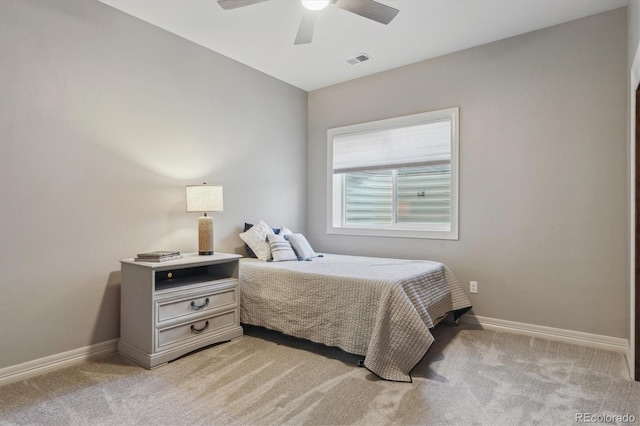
x,y
473,286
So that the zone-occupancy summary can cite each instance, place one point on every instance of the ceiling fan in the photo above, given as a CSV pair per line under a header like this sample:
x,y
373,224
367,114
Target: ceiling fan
x,y
369,9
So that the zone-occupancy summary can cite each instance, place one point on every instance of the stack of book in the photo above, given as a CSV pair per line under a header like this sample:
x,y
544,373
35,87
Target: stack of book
x,y
158,256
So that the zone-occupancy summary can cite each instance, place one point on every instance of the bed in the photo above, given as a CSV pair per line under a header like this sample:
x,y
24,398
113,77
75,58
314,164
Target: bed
x,y
379,308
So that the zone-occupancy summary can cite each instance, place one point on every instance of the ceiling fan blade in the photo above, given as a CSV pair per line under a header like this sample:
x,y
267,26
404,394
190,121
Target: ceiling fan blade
x,y
305,32
234,4
369,9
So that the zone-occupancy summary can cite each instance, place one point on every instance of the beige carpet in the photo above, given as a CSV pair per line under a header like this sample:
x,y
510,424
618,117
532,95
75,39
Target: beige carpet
x,y
469,376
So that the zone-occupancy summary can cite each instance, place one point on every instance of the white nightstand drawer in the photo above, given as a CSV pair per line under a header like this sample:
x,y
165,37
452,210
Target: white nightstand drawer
x,y
195,304
192,330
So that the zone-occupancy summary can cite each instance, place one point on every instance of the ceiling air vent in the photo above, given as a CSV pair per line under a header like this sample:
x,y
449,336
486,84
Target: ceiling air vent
x,y
358,59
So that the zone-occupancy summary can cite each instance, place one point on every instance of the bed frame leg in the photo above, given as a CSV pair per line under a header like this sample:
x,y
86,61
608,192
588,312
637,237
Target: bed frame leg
x,y
458,314
361,363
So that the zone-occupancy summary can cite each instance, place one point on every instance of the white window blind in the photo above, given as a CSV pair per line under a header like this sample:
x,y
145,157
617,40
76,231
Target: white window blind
x,y
395,177
421,145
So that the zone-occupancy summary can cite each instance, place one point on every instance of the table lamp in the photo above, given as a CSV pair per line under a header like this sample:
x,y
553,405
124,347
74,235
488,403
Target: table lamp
x,y
204,198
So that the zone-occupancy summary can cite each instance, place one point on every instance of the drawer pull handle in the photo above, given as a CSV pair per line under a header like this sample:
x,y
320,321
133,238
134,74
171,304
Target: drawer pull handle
x,y
199,330
198,307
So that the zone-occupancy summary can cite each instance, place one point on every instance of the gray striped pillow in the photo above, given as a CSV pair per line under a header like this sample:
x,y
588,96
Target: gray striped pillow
x,y
301,246
280,248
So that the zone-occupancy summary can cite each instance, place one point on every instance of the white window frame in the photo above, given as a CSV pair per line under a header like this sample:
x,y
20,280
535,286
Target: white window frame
x,y
335,195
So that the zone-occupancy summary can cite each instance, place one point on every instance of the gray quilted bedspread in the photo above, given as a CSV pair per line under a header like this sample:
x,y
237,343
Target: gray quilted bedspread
x,y
379,308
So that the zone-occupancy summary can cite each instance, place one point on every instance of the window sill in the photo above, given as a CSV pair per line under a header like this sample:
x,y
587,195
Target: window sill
x,y
394,233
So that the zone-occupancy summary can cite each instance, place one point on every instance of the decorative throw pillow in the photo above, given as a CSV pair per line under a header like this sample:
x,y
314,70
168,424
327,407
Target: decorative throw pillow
x,y
284,231
256,239
301,246
280,248
248,226
250,252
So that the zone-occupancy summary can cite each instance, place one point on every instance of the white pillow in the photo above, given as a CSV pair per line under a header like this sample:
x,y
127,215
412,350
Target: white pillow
x,y
301,246
285,231
280,248
256,239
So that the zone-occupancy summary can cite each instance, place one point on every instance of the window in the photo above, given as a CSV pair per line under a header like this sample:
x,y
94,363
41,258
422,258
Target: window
x,y
395,177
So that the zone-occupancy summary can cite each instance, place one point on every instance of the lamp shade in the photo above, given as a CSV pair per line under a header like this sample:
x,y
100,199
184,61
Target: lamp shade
x,y
204,198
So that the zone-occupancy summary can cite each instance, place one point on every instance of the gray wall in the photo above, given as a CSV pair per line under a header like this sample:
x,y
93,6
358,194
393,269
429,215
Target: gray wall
x,y
633,16
103,120
542,170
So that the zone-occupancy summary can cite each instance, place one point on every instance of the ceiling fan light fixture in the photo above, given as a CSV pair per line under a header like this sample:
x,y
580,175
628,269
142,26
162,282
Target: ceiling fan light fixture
x,y
315,4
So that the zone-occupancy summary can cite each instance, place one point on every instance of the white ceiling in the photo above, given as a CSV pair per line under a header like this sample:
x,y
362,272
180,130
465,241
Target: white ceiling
x,y
261,36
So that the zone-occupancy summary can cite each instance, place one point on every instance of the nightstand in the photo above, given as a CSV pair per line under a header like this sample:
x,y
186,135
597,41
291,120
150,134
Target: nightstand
x,y
171,308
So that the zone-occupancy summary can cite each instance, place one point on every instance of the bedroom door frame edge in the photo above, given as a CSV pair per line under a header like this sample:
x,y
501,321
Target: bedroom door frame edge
x,y
634,285
633,354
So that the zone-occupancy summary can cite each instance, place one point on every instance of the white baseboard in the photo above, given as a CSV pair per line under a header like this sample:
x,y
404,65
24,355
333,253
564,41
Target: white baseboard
x,y
568,336
36,367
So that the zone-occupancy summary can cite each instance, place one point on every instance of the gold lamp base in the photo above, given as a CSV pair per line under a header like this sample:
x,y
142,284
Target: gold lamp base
x,y
205,235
